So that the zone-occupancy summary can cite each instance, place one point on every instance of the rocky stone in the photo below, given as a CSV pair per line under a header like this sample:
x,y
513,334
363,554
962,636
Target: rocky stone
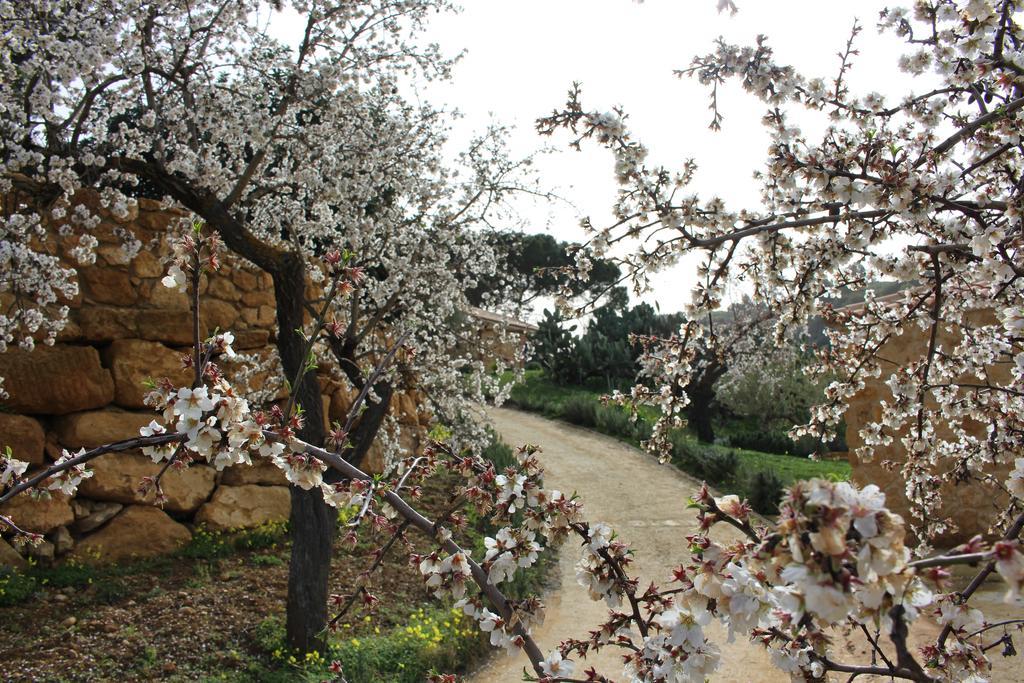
x,y
245,280
262,471
169,298
244,507
266,315
55,380
251,339
81,507
146,264
42,551
409,440
107,323
62,541
218,315
406,409
258,298
98,427
108,285
341,403
25,436
116,477
9,557
99,514
133,361
222,288
373,461
40,516
53,448
139,531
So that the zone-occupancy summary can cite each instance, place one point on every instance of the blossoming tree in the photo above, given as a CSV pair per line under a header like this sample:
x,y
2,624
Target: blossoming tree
x,y
940,170
305,160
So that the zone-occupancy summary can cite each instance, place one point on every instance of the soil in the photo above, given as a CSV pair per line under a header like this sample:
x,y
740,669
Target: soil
x,y
646,505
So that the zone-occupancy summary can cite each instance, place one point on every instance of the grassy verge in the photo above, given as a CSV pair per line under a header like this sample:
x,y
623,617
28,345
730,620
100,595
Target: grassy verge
x,y
755,475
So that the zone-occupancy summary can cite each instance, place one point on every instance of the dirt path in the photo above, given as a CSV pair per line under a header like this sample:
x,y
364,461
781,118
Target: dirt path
x,y
648,511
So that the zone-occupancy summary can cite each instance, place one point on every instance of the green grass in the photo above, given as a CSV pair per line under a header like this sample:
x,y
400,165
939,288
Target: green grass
x,y
755,475
435,639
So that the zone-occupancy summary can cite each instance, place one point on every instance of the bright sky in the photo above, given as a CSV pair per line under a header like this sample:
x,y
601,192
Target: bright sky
x,y
523,55
521,58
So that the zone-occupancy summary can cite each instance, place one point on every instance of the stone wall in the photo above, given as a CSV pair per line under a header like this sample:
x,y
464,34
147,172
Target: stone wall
x,y
126,327
972,507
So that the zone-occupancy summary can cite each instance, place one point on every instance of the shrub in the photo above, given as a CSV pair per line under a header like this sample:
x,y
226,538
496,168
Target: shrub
x,y
686,454
770,441
642,429
720,465
15,587
206,545
266,535
613,420
68,574
580,410
498,452
434,640
765,492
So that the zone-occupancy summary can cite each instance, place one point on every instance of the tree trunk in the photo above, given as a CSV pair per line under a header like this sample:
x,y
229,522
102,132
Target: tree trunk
x,y
701,392
313,521
698,414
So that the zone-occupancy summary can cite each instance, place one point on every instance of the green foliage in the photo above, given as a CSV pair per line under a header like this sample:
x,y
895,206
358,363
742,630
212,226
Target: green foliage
x,y
266,560
580,410
614,420
430,640
532,265
498,452
212,545
262,537
716,465
69,574
553,347
111,590
207,545
766,491
15,587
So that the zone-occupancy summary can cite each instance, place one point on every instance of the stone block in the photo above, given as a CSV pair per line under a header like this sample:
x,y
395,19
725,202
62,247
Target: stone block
x,y
9,557
222,288
96,515
40,516
146,265
244,507
116,477
260,472
62,541
97,427
25,436
244,280
108,285
132,361
107,323
139,531
55,380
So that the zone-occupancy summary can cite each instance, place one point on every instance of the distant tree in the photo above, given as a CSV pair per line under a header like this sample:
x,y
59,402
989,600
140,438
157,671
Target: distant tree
x,y
533,265
553,347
